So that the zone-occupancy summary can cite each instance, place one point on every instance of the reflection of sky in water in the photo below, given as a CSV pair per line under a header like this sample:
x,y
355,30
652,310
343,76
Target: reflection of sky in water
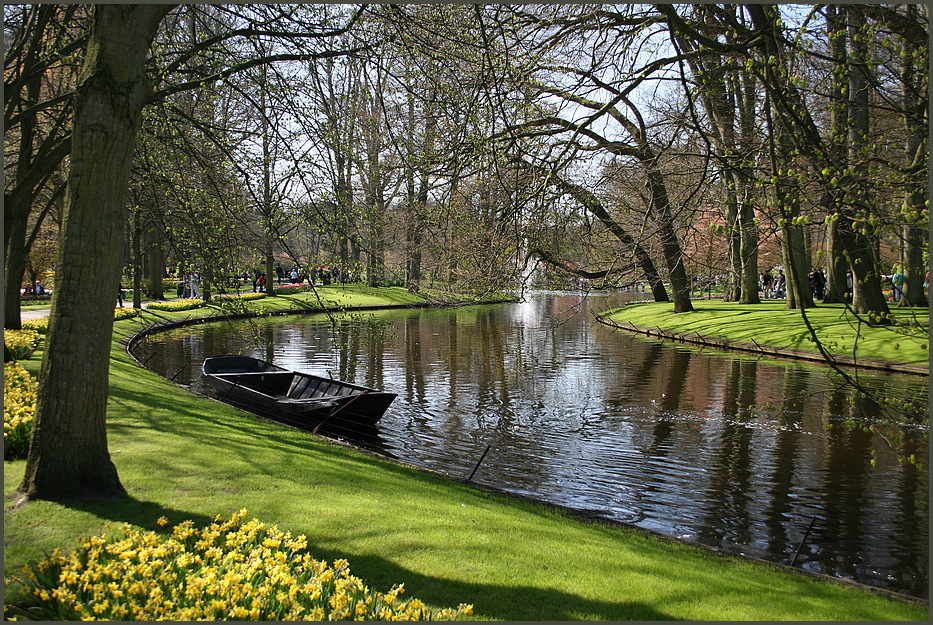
x,y
727,451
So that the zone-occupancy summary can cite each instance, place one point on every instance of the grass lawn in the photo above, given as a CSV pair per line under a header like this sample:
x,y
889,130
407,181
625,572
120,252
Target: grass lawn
x,y
771,324
187,457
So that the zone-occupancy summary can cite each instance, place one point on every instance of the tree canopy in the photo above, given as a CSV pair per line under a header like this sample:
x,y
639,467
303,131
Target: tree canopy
x,y
466,146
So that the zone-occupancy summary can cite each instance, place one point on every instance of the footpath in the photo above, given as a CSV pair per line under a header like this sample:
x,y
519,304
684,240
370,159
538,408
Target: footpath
x,y
37,313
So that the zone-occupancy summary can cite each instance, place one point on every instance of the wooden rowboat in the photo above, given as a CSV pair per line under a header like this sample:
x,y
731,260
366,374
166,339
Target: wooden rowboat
x,y
301,399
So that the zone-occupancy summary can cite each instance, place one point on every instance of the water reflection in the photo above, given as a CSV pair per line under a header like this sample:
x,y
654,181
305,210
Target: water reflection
x,y
724,450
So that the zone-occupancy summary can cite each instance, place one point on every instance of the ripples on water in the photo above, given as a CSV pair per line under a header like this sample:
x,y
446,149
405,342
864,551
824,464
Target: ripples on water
x,y
726,451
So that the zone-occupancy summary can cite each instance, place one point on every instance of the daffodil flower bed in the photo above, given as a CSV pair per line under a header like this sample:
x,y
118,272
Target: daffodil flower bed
x,y
21,343
19,406
229,570
177,305
242,297
125,313
40,325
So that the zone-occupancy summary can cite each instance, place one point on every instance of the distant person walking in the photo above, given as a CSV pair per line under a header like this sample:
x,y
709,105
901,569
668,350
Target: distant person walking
x,y
195,286
780,285
817,284
897,284
766,281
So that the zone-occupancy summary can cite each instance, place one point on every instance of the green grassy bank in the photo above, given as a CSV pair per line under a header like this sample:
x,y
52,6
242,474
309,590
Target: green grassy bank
x,y
186,457
770,324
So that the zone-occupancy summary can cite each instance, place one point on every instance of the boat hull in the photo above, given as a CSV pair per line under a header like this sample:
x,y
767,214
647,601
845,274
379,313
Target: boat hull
x,y
299,399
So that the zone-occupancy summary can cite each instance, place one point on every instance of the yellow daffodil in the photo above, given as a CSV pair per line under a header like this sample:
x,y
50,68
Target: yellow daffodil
x,y
257,572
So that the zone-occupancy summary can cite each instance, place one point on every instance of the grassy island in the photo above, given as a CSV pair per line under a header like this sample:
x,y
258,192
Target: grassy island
x,y
182,457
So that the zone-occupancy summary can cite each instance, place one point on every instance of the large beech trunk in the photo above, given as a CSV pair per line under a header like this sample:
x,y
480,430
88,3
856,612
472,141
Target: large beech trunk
x,y
68,457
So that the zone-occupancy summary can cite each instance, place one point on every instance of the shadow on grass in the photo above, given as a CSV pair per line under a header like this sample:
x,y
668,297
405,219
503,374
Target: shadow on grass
x,y
144,514
209,426
500,602
494,601
174,415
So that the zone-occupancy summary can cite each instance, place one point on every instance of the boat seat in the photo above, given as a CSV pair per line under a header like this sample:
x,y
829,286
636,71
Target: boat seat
x,y
310,388
324,389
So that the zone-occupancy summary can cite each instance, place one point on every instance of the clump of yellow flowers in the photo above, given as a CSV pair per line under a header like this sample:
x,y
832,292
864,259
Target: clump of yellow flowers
x,y
40,325
21,343
125,313
19,405
177,304
229,570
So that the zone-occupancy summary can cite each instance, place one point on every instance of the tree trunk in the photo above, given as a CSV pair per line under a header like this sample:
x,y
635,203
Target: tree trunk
x,y
733,292
867,295
670,244
798,268
748,252
68,457
15,271
914,82
137,234
793,244
156,262
913,267
747,103
837,265
729,101
269,266
858,238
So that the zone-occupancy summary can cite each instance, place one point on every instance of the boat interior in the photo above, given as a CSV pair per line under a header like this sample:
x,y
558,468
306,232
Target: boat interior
x,y
291,385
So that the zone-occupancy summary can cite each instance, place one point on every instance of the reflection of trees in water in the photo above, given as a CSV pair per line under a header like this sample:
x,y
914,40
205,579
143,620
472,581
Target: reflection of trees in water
x,y
730,487
781,511
663,435
912,534
415,386
844,524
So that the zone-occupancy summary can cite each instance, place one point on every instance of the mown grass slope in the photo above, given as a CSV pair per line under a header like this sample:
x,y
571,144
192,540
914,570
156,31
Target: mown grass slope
x,y
187,457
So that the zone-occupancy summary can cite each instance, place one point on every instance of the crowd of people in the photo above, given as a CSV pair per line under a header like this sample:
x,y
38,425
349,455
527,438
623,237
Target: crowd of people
x,y
296,275
189,284
775,287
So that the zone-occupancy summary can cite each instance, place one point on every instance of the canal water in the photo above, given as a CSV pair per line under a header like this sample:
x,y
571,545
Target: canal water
x,y
733,451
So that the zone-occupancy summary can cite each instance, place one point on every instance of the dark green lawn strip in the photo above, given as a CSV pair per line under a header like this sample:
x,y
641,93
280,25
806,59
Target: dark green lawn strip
x,y
186,457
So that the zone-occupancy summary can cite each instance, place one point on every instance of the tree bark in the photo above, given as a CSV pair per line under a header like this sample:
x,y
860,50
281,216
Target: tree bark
x,y
15,271
68,457
837,265
156,262
670,244
915,81
856,234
